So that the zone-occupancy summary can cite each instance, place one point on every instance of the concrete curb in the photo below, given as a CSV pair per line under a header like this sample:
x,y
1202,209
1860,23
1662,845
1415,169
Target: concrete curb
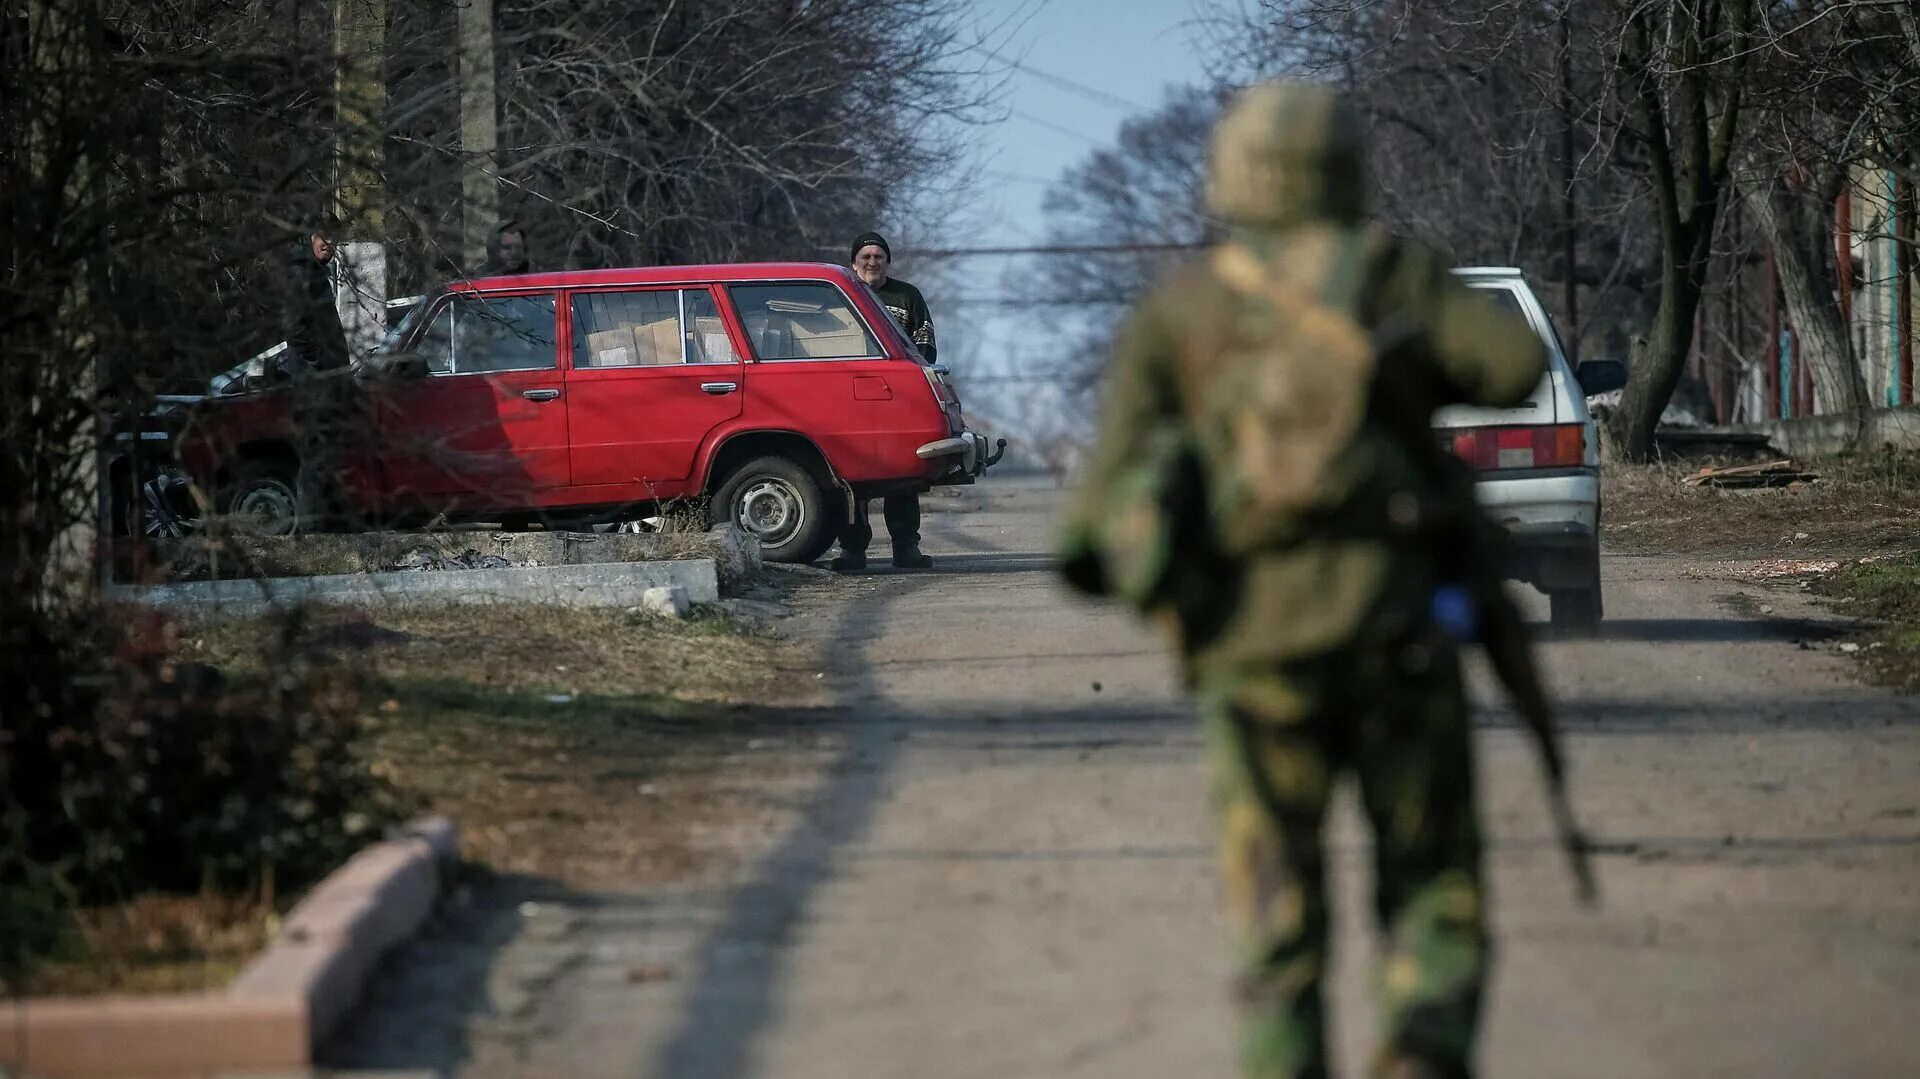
x,y
334,554
614,584
284,1003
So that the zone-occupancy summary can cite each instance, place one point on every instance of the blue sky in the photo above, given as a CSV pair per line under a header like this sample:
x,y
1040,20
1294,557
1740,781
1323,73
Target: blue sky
x,y
1124,55
1128,51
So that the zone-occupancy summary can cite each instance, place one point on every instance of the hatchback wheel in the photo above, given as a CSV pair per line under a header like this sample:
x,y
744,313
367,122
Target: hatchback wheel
x,y
783,504
1578,610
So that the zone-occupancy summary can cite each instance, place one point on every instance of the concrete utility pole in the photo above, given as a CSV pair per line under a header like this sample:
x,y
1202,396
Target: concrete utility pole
x,y
360,96
479,133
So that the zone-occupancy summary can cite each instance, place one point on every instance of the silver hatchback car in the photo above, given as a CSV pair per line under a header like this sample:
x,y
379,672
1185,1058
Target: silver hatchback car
x,y
1538,463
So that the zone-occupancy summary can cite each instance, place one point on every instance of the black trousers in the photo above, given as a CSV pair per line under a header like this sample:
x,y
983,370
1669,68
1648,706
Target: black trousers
x,y
902,514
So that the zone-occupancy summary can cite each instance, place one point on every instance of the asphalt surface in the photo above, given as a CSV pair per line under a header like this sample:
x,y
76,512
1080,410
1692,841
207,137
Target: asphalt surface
x,y
999,862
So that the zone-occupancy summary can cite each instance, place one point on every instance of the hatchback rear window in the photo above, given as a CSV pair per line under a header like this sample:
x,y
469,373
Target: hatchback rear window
x,y
802,321
1508,300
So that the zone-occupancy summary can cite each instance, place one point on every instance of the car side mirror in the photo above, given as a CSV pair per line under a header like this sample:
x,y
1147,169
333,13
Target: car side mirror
x,y
1600,376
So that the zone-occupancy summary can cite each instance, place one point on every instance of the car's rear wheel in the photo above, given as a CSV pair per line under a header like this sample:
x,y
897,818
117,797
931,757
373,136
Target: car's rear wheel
x,y
1578,610
263,497
780,502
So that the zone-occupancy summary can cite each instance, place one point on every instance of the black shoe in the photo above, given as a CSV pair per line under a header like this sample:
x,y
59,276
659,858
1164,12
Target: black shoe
x,y
850,562
911,558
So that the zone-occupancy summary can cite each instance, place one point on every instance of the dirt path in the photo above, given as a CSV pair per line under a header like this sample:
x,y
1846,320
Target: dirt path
x,y
998,863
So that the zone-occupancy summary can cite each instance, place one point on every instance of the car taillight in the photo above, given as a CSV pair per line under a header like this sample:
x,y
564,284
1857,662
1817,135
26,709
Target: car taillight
x,y
1556,445
943,394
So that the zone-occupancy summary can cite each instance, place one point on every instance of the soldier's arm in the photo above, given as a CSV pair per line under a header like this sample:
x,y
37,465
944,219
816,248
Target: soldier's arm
x,y
1138,408
1485,354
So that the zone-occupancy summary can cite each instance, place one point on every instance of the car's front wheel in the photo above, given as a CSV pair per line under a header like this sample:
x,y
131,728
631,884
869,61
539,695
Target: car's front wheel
x,y
780,502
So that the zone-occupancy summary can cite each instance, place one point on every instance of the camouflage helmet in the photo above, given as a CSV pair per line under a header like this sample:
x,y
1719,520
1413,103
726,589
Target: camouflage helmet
x,y
1285,152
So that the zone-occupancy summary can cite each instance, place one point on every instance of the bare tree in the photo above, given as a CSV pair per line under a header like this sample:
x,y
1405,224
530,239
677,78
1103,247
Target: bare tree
x,y
1142,197
160,160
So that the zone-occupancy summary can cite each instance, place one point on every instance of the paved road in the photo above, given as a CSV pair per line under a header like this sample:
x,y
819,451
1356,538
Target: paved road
x,y
1002,868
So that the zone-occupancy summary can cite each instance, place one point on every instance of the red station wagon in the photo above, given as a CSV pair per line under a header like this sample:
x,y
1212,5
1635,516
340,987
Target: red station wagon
x,y
775,392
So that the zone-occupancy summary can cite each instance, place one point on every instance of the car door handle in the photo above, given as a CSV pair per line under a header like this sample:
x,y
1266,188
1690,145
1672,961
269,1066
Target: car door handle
x,y
719,388
540,395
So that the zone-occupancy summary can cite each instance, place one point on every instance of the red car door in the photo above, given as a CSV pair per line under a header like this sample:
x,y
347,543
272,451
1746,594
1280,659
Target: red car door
x,y
487,427
653,372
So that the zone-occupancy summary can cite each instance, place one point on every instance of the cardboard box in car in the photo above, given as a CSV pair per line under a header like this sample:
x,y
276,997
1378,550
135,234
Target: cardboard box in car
x,y
833,332
611,348
710,342
770,336
658,342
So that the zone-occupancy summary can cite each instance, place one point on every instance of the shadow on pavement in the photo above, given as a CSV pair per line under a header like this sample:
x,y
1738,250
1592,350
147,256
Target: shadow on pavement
x,y
1698,630
740,968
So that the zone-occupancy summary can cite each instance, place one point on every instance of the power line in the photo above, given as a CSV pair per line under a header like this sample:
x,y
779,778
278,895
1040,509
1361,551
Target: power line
x,y
1092,93
1015,177
1034,301
1049,249
1059,129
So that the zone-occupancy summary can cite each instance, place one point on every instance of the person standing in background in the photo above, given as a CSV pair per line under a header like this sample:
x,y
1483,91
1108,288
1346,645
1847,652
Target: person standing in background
x,y
871,259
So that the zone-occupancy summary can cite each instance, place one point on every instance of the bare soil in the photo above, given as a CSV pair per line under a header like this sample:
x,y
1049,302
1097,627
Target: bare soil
x,y
1859,506
1852,536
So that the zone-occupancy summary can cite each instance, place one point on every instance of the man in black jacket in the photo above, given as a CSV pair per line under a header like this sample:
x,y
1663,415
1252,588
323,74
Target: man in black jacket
x,y
871,258
310,314
318,363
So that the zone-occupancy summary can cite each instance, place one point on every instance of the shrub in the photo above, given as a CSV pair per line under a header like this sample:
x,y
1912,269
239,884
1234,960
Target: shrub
x,y
123,771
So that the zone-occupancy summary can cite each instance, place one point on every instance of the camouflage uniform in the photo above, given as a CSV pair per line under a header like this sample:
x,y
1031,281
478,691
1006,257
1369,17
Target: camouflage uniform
x,y
1310,636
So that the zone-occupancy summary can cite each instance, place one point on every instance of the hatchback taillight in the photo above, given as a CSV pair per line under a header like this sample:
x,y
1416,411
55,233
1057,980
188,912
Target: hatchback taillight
x,y
1555,445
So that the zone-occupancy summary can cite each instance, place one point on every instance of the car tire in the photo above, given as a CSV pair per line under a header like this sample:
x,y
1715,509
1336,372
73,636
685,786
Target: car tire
x,y
781,502
263,498
1578,610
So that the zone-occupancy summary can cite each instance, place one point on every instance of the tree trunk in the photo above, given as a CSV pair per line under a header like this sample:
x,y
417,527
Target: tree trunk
x,y
1797,225
1655,369
1690,125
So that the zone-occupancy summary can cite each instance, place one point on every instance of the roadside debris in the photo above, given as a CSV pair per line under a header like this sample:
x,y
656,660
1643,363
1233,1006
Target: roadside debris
x,y
425,558
1767,569
668,602
1784,472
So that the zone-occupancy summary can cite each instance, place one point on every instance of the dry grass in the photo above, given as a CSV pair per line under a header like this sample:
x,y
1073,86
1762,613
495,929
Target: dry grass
x,y
569,744
572,746
156,944
1860,506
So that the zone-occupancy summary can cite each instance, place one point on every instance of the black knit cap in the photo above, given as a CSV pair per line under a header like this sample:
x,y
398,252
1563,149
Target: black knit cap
x,y
870,239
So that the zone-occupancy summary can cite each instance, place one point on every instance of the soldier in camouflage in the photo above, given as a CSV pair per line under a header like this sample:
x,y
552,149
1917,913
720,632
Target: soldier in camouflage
x,y
1266,484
